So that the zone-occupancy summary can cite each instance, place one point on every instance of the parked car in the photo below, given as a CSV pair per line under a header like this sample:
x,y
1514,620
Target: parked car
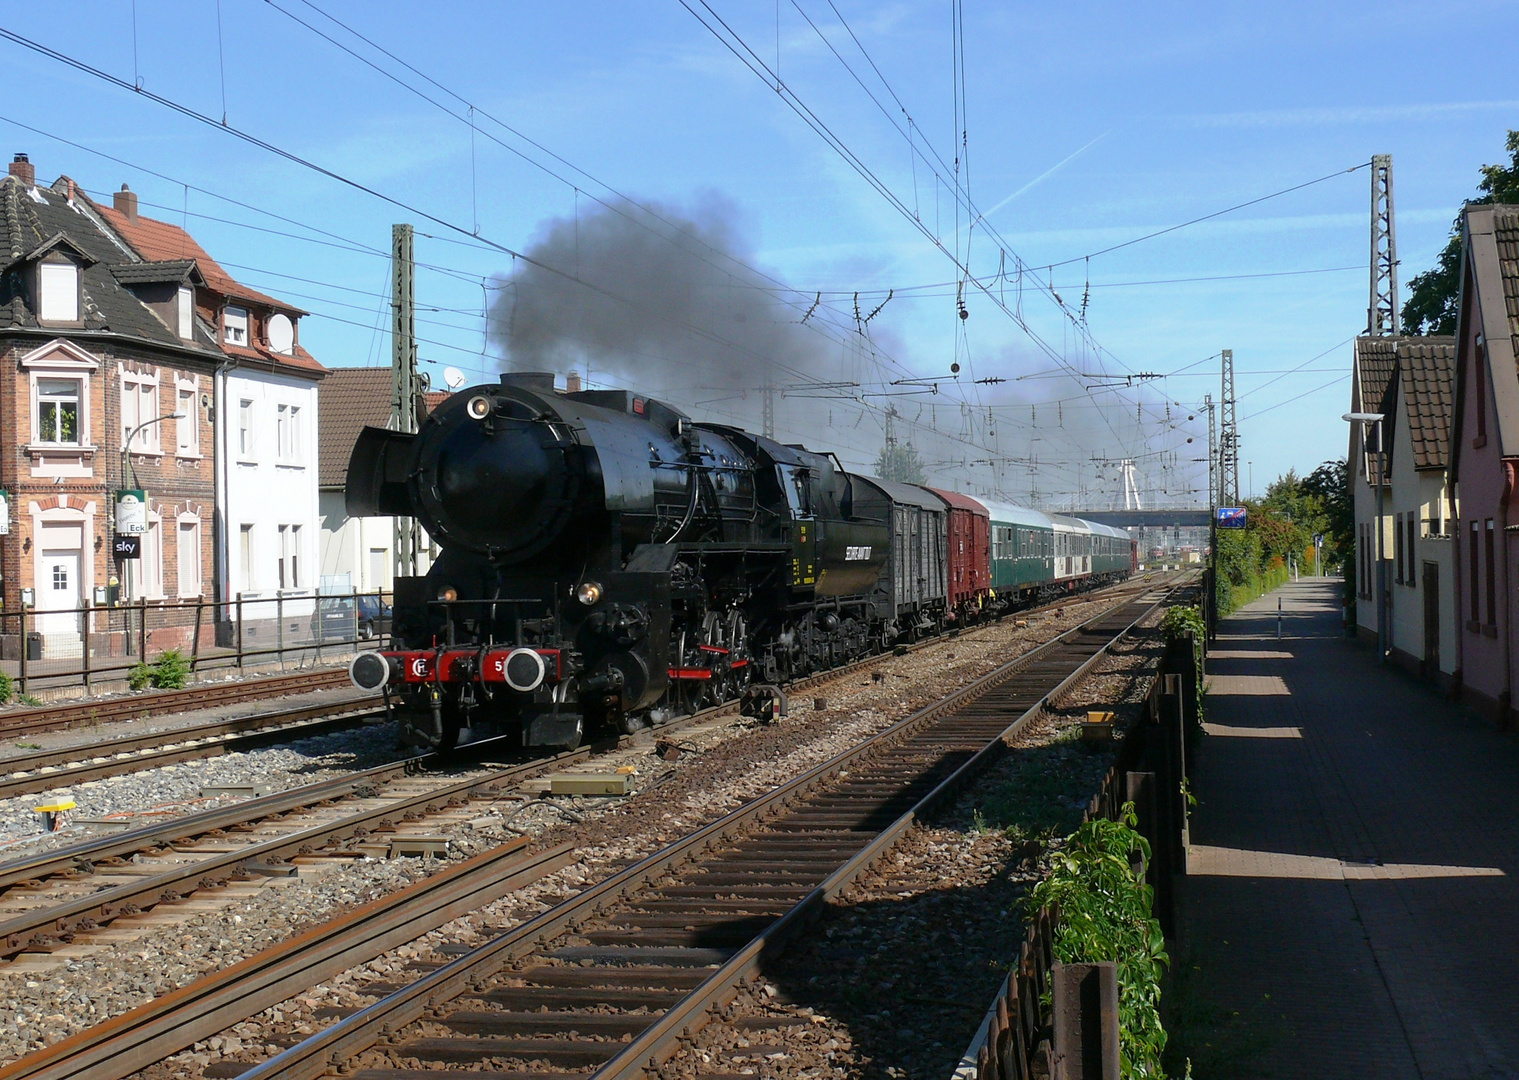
x,y
346,618
373,617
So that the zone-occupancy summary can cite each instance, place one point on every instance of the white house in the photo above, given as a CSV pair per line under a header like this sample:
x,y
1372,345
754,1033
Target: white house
x,y
1421,558
1375,359
267,429
357,553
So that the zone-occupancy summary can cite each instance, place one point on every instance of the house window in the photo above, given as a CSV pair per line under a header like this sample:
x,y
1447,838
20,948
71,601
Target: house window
x,y
1397,544
186,312
1411,523
290,556
1492,591
288,432
188,428
245,556
1472,562
1479,384
139,406
58,411
245,428
59,282
188,556
235,326
152,560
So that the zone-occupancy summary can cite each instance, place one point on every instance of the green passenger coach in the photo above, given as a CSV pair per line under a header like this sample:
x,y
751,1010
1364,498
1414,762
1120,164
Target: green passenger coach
x,y
1023,550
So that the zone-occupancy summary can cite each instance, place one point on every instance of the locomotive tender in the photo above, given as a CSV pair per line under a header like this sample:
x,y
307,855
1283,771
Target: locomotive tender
x,y
606,562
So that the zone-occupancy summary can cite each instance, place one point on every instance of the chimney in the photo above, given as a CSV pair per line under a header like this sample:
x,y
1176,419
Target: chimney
x,y
23,170
572,383
125,202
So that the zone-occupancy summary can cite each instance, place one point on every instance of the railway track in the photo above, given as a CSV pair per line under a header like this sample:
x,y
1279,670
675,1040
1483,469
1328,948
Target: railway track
x,y
159,702
614,978
46,770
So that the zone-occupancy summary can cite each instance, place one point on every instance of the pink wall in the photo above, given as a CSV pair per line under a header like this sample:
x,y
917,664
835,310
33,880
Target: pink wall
x,y
1485,676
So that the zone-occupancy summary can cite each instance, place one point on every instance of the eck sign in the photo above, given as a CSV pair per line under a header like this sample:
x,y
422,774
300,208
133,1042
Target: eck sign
x,y
1231,517
5,513
131,513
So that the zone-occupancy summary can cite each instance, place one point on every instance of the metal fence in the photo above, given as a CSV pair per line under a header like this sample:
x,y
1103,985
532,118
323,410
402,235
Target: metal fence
x,y
103,642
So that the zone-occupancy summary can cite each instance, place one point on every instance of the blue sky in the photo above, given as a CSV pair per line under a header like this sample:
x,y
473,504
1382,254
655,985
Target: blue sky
x,y
1087,125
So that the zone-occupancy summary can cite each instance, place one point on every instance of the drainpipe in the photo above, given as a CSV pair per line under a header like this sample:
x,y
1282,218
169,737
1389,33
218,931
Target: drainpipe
x,y
1506,699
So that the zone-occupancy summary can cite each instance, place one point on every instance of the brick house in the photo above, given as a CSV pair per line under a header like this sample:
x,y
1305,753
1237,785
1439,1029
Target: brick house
x,y
1484,460
103,333
265,398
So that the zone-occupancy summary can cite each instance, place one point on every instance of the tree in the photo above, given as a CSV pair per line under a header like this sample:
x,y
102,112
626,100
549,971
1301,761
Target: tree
x,y
1432,295
900,462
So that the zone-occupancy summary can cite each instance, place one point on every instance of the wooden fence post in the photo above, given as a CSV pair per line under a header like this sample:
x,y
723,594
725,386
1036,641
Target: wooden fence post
x,y
1086,1021
142,629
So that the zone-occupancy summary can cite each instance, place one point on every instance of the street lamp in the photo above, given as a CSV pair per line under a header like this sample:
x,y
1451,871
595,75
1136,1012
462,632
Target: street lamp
x,y
127,482
1375,419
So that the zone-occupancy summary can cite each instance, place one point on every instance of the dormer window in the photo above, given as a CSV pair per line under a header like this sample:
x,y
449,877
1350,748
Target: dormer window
x,y
235,326
186,311
58,282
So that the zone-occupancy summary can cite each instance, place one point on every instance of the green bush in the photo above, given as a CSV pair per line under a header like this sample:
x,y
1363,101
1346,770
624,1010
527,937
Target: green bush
x,y
172,670
140,677
7,689
1104,914
169,672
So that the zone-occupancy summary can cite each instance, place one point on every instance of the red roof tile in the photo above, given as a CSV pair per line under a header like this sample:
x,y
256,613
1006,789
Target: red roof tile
x,y
159,241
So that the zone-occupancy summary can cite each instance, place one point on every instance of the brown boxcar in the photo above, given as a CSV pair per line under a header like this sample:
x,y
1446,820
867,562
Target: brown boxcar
x,y
970,574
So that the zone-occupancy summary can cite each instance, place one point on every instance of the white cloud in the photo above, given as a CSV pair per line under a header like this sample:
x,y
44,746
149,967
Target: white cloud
x,y
1346,114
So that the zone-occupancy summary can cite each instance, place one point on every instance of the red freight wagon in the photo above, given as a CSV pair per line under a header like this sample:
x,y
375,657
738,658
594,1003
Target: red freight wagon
x,y
970,547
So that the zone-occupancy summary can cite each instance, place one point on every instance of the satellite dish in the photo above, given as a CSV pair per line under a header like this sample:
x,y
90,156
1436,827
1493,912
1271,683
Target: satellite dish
x,y
453,378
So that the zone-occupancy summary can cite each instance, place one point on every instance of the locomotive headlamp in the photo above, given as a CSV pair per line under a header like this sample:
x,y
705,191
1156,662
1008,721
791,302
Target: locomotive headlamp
x,y
588,593
448,594
479,407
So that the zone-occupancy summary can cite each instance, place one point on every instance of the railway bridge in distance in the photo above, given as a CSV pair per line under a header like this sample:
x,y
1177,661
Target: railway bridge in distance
x,y
1149,519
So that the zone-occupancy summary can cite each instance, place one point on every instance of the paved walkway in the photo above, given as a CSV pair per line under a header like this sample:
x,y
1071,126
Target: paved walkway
x,y
1354,875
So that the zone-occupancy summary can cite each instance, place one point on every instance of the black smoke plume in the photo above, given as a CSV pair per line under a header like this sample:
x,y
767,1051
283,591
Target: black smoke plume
x,y
656,296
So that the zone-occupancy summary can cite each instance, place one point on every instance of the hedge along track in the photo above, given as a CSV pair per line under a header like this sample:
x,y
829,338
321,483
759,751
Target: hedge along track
x,y
157,703
647,954
45,770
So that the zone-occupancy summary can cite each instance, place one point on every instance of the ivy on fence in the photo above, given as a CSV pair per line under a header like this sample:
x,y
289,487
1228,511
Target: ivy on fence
x,y
1104,914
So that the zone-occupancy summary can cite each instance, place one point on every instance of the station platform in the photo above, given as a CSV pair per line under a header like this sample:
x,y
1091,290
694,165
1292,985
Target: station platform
x,y
1352,901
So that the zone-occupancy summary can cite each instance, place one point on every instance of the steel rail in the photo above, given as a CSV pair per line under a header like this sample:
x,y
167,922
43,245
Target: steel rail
x,y
48,769
49,926
124,1044
335,1045
82,858
642,1057
159,702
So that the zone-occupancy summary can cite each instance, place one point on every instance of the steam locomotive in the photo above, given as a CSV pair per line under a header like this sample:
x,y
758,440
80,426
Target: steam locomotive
x,y
605,562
